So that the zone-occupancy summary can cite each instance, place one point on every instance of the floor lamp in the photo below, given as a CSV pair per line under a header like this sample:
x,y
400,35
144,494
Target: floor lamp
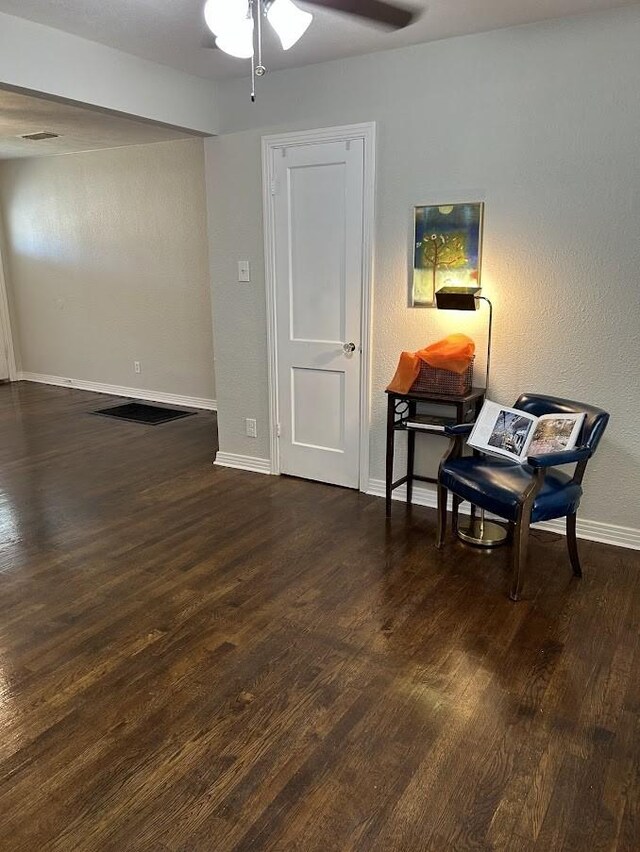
x,y
478,531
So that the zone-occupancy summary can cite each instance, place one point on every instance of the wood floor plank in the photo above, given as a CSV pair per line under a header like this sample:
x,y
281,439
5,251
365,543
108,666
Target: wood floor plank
x,y
196,658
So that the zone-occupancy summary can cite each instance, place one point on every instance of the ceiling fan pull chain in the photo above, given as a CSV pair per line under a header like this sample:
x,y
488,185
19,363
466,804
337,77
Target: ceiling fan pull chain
x,y
260,69
253,79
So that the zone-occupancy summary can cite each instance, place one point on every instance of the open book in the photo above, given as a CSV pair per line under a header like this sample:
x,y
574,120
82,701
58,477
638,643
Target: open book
x,y
517,434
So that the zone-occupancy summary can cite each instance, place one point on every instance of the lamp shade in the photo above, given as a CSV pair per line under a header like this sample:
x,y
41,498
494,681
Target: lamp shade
x,y
289,22
457,298
237,40
223,15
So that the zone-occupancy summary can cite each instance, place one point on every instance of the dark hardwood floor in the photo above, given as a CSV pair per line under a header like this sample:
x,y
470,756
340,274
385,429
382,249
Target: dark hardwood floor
x,y
195,658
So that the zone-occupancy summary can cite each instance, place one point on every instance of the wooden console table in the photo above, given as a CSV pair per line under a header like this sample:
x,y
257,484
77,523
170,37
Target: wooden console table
x,y
403,416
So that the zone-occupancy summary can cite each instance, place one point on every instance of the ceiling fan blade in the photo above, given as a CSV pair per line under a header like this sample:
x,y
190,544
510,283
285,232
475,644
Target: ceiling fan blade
x,y
388,14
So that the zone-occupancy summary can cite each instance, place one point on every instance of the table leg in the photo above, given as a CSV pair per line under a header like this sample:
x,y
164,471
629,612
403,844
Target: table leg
x,y
479,404
390,451
411,455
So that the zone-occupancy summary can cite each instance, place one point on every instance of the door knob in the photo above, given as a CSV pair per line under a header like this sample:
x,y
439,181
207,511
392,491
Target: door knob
x,y
347,348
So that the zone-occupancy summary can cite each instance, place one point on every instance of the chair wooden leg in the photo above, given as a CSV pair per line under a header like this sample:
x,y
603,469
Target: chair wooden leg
x,y
442,516
572,545
520,545
454,513
521,534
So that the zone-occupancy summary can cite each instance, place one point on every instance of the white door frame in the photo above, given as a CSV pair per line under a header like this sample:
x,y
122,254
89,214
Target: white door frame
x,y
270,146
5,319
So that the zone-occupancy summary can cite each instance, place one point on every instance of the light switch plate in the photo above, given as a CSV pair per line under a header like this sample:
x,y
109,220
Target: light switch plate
x,y
244,270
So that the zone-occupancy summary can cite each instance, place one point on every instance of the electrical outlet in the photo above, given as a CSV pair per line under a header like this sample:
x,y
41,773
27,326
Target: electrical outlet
x,y
251,427
136,367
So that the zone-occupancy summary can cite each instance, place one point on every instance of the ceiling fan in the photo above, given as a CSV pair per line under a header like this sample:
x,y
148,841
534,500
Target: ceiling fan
x,y
237,24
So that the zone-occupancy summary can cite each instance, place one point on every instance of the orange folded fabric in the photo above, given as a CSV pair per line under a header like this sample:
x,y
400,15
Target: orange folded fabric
x,y
453,352
406,373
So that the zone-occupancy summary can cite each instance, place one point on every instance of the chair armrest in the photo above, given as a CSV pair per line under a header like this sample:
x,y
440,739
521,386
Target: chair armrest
x,y
458,429
562,457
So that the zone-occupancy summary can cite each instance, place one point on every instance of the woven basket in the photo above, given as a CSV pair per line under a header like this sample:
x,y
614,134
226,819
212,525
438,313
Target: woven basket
x,y
435,380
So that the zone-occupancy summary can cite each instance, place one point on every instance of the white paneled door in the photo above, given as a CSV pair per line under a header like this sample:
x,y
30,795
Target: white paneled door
x,y
318,234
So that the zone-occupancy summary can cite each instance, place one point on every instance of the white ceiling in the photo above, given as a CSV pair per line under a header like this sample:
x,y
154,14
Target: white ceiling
x,y
171,31
80,129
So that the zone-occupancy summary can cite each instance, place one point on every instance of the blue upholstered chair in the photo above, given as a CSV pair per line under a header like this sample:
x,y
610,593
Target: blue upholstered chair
x,y
521,494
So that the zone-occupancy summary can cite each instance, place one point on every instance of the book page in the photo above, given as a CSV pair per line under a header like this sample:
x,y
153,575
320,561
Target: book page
x,y
555,433
503,431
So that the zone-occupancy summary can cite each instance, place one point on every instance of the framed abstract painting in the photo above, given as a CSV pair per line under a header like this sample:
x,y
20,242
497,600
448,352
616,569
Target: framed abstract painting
x,y
447,249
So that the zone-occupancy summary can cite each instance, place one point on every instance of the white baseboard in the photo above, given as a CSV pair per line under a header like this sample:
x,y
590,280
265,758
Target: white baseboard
x,y
590,530
257,465
597,531
119,390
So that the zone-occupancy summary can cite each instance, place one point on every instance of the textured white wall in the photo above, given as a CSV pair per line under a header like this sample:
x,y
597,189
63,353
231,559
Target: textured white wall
x,y
106,256
542,122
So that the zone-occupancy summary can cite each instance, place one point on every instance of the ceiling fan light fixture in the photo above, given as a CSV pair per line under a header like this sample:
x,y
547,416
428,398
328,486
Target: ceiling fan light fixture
x,y
237,40
221,16
289,21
